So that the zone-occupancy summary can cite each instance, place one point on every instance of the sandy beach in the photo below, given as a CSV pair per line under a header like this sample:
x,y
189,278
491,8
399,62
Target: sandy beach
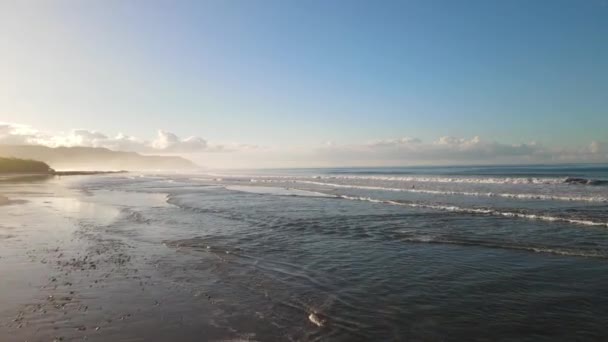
x,y
65,279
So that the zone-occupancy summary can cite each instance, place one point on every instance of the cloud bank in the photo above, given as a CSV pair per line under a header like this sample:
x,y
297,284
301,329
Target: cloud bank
x,y
413,151
445,150
454,150
165,142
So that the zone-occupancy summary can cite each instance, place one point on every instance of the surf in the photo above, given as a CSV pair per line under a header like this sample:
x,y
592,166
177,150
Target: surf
x,y
480,211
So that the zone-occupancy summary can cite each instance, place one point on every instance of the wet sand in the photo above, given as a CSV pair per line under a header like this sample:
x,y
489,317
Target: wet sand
x,y
66,277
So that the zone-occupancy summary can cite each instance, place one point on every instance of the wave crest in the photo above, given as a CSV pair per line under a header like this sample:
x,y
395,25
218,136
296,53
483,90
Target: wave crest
x,y
481,211
525,196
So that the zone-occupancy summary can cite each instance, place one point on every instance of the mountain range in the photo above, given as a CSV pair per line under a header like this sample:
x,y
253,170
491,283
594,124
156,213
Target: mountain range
x,y
95,158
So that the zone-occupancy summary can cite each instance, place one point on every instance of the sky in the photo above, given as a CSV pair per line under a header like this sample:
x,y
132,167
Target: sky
x,y
264,83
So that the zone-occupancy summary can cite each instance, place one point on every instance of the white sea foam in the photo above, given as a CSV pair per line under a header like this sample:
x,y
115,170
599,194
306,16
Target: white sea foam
x,y
482,211
443,179
422,179
267,190
416,179
525,196
473,179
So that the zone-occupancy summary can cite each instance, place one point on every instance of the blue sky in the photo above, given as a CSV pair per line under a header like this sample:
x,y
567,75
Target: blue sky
x,y
300,73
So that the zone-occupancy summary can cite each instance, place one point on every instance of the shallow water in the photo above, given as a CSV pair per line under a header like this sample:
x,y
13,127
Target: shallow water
x,y
402,253
518,253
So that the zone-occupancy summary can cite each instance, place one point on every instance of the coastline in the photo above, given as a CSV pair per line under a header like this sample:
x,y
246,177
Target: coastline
x,y
8,177
69,274
86,173
177,257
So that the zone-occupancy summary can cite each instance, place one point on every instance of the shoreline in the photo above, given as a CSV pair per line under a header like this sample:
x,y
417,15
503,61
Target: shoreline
x,y
4,177
71,275
85,173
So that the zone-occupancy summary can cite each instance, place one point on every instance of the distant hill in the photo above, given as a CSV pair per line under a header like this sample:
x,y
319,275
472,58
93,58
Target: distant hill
x,y
90,158
14,165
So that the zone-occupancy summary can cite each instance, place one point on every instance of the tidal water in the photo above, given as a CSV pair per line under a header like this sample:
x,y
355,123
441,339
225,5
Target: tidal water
x,y
434,254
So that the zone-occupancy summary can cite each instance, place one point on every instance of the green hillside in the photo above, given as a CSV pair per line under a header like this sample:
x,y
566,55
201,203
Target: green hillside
x,y
14,165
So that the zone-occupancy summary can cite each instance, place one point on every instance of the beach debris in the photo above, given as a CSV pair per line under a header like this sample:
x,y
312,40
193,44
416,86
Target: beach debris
x,y
317,319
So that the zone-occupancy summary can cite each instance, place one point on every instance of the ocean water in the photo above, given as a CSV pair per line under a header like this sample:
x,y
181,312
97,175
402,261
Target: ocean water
x,y
434,254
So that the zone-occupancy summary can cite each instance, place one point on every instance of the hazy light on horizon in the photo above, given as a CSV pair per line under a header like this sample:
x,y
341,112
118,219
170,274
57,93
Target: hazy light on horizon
x,y
276,80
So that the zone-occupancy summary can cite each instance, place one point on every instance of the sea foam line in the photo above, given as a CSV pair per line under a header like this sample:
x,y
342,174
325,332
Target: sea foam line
x,y
464,193
438,179
481,211
433,179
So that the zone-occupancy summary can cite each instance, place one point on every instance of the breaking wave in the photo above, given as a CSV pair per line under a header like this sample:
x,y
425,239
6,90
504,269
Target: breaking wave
x,y
525,196
475,180
584,181
480,211
278,191
418,178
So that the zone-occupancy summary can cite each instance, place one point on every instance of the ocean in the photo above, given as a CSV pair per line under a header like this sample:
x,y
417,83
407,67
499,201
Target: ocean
x,y
357,254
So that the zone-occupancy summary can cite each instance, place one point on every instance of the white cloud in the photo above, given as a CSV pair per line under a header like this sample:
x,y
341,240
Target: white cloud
x,y
79,137
165,142
401,151
394,142
597,147
455,150
404,152
17,134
